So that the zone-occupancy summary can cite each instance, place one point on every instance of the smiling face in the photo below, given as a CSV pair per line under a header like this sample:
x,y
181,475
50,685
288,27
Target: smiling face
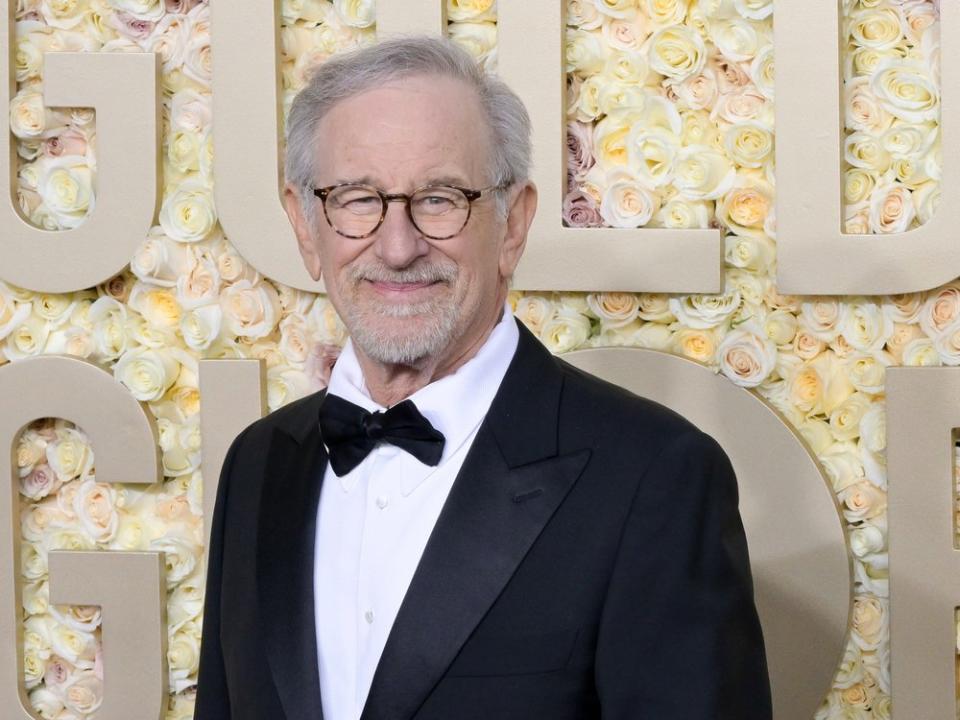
x,y
402,296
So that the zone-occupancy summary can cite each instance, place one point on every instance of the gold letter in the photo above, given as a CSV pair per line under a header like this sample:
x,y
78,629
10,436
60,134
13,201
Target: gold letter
x,y
123,434
814,256
232,395
123,90
923,407
801,571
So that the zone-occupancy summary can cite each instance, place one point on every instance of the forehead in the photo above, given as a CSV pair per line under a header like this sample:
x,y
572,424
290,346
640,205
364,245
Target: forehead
x,y
408,131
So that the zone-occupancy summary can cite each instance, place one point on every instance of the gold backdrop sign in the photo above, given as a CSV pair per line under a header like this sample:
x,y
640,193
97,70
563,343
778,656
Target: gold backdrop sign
x,y
665,184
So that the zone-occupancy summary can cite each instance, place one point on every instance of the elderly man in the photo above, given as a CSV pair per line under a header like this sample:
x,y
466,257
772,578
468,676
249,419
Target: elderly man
x,y
462,526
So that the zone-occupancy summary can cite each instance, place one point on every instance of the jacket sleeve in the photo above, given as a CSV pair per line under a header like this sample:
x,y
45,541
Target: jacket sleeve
x,y
213,701
679,635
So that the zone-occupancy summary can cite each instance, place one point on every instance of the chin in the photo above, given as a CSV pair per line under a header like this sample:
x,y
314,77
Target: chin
x,y
404,337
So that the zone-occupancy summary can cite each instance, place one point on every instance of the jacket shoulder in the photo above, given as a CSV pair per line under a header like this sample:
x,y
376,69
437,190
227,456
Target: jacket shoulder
x,y
601,409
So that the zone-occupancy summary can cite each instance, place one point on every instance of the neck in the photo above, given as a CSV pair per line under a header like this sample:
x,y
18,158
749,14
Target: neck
x,y
389,383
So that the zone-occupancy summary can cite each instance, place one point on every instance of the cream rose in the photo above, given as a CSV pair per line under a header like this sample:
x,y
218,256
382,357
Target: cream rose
x,y
891,208
565,330
627,34
677,52
471,10
762,72
585,52
70,455
865,150
921,352
746,355
704,311
188,214
627,203
869,621
866,370
876,28
864,325
477,38
701,173
862,109
183,657
95,507
821,317
749,144
614,309
533,311
66,186
745,207
679,213
940,308
862,501
160,260
148,10
739,39
250,310
699,345
85,694
906,90
661,12
780,326
754,9
584,14
146,372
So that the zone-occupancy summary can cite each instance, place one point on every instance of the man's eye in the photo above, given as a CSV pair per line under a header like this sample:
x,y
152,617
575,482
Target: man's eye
x,y
358,202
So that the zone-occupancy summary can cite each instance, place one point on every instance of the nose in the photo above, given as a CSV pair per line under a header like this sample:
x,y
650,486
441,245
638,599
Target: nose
x,y
398,242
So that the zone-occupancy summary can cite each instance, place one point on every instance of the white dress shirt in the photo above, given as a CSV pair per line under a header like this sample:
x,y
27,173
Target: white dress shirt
x,y
373,523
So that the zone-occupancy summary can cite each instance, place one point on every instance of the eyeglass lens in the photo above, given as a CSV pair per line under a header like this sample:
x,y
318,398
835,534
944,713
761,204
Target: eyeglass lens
x,y
438,212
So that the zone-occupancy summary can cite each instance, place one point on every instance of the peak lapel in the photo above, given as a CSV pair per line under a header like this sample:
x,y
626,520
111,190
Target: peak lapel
x,y
286,534
500,502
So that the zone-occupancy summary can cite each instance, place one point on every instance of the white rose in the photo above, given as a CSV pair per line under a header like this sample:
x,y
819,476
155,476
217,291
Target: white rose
x,y
746,355
46,702
201,326
699,345
182,551
780,326
862,501
745,207
702,173
610,137
862,109
651,335
868,539
906,90
754,9
738,39
66,186
864,325
294,342
356,13
762,72
108,318
584,14
704,311
891,208
751,252
877,28
183,657
842,465
149,10
662,12
70,455
250,311
471,10
614,309
84,695
146,372
477,38
866,371
749,144
626,202
679,213
817,434
30,119
742,106
626,34
533,311
160,260
585,52
921,352
158,306
188,215
565,330
190,111
866,151
27,339
95,507
285,384
199,286
677,52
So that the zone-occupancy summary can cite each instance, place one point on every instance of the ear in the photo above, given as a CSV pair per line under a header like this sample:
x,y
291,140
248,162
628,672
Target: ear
x,y
520,216
306,240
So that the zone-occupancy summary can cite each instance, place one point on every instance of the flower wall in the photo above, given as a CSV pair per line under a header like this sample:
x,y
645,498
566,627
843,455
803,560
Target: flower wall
x,y
670,124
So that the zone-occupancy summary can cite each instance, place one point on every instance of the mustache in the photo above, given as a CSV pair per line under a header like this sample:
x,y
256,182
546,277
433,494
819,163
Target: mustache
x,y
421,273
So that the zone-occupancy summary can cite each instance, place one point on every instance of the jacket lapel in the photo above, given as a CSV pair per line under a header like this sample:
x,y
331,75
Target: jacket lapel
x,y
511,483
296,460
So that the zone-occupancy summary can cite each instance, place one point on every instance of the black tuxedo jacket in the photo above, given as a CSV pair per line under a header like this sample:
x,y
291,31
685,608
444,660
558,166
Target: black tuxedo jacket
x,y
589,562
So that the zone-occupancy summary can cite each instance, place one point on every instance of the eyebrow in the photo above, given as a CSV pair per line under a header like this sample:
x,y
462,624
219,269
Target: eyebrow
x,y
456,180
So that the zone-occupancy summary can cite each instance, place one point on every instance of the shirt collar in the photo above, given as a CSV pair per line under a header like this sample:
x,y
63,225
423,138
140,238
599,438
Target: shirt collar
x,y
455,404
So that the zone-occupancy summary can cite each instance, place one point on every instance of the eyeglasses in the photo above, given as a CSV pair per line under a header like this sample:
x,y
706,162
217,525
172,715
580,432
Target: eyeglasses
x,y
439,212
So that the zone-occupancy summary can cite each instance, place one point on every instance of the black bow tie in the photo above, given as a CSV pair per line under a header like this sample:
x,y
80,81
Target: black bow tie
x,y
350,432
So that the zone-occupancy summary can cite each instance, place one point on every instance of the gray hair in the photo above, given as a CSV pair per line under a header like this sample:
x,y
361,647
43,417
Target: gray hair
x,y
352,73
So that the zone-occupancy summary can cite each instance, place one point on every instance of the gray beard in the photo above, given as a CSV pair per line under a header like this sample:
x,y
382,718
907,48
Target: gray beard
x,y
433,335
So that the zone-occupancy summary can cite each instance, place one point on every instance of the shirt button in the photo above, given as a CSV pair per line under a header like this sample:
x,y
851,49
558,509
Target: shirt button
x,y
368,616
382,501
